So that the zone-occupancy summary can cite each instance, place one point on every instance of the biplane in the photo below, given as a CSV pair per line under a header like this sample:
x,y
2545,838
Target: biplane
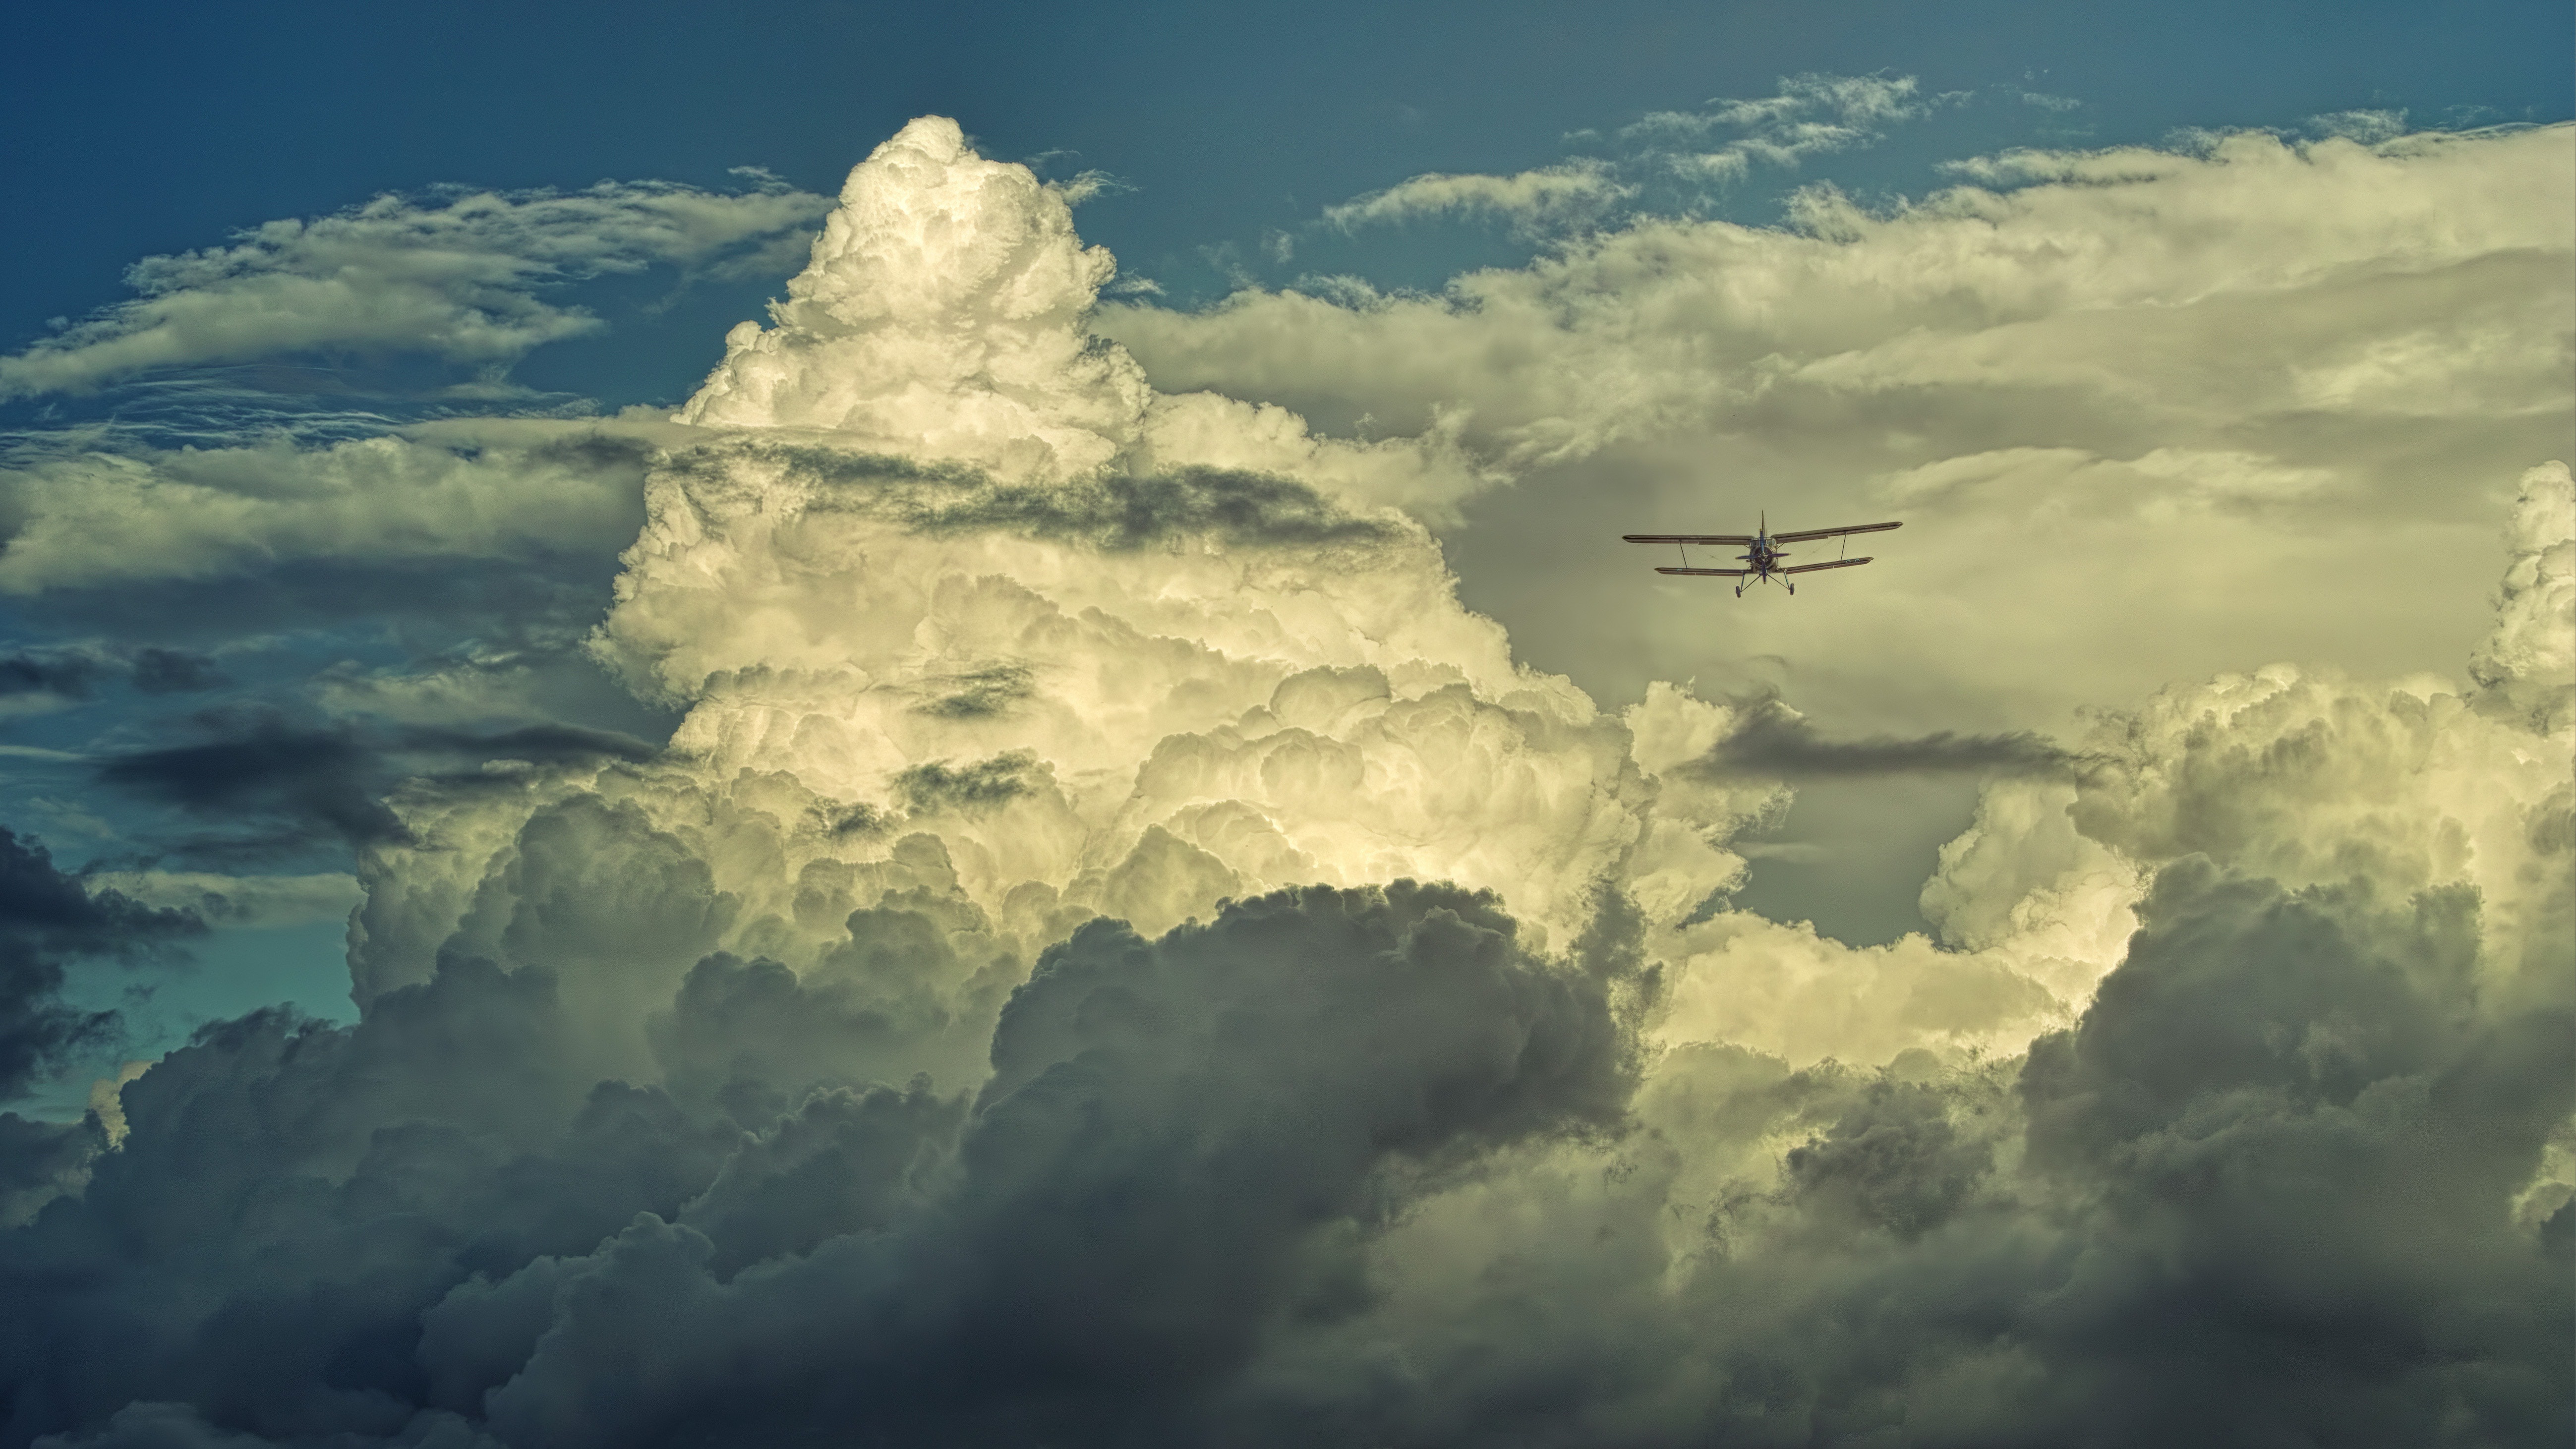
x,y
1762,552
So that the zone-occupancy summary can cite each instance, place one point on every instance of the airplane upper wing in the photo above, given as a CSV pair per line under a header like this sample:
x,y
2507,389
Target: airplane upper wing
x,y
1830,532
1689,537
1840,563
1720,573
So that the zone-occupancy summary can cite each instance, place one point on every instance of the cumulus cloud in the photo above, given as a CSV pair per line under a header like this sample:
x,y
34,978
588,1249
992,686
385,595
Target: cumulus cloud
x,y
2153,387
455,277
2530,659
944,317
1115,953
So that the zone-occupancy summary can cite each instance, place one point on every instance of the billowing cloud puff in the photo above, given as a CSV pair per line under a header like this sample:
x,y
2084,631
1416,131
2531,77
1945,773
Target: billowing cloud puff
x,y
456,280
2530,659
944,318
1116,954
997,657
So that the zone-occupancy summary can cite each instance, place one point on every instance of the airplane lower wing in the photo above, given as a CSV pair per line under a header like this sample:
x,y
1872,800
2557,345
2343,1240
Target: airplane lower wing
x,y
1840,563
1714,573
1833,532
1708,538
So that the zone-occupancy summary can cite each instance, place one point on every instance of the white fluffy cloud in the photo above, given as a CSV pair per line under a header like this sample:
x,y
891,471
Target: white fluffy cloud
x,y
945,317
457,279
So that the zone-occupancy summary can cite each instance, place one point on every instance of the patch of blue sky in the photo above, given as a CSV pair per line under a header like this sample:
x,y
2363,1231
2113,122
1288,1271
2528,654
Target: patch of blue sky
x,y
160,1003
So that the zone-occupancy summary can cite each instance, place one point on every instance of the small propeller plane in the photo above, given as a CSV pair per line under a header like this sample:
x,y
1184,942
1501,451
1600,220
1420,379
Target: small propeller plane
x,y
1763,552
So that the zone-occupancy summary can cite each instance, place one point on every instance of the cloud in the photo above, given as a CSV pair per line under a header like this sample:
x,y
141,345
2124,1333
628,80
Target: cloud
x,y
944,318
1812,114
2141,384
33,681
1770,738
2530,658
869,1208
46,917
481,490
1264,1011
1549,195
293,784
245,902
174,671
456,277
36,680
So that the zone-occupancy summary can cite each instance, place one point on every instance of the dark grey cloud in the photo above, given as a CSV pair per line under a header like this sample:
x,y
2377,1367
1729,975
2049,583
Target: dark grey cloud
x,y
283,785
436,600
2296,1121
40,1161
940,785
2257,1184
433,1223
46,917
1151,1179
74,673
2256,1195
978,693
1773,739
70,676
1114,511
1123,511
174,671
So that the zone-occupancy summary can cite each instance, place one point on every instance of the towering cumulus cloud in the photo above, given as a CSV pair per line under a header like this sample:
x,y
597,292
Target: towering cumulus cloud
x,y
1115,954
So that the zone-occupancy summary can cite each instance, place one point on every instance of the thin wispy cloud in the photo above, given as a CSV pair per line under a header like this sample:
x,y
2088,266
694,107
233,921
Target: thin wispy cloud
x,y
1549,195
1810,115
458,277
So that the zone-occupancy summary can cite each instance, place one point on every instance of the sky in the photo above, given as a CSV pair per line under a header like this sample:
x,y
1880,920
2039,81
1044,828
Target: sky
x,y
840,723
